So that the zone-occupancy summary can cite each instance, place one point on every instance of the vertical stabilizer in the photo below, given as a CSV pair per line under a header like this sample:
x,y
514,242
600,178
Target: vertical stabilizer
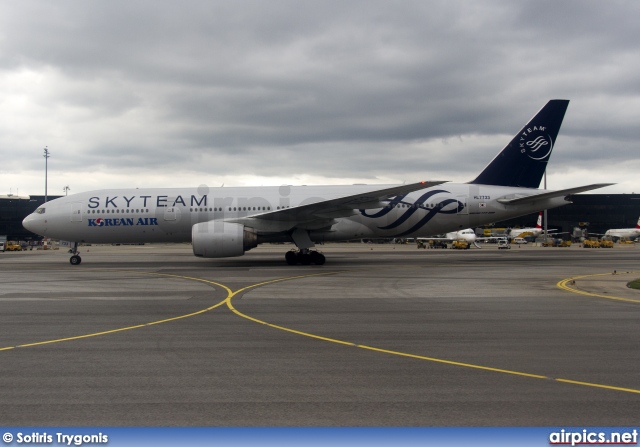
x,y
523,161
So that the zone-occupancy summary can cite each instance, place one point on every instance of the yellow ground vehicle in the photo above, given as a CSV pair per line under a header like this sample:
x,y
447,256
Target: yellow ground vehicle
x,y
591,243
606,244
556,243
460,245
431,244
13,246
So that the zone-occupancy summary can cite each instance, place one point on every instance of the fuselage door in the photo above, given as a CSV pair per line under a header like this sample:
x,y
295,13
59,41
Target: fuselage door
x,y
171,214
462,203
76,212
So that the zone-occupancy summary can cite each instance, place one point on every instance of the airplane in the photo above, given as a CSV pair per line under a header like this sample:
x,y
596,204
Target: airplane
x,y
466,235
226,222
522,232
629,233
513,233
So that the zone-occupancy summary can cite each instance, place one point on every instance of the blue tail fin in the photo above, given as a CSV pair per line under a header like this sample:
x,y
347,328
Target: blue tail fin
x,y
523,162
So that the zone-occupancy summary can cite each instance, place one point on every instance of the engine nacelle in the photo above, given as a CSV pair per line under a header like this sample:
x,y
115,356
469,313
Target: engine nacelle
x,y
216,239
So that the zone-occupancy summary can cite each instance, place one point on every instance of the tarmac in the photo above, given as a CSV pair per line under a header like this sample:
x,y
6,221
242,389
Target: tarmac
x,y
381,335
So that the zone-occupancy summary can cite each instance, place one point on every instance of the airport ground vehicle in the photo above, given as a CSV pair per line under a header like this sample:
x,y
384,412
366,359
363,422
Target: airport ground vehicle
x,y
552,242
460,245
519,240
13,246
591,243
503,243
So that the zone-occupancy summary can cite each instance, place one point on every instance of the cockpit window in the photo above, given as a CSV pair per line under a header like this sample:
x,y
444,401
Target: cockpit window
x,y
40,211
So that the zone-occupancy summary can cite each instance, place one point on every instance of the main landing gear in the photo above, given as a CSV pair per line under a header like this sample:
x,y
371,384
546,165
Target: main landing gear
x,y
75,259
304,256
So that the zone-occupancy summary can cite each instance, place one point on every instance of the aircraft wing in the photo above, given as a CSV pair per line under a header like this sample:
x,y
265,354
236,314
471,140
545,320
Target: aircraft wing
x,y
518,199
445,239
490,238
321,214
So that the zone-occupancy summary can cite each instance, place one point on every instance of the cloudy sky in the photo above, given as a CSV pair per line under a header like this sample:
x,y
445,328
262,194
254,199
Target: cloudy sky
x,y
164,94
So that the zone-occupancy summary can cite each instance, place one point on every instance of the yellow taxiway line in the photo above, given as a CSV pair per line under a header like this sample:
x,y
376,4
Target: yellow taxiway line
x,y
420,357
231,294
566,284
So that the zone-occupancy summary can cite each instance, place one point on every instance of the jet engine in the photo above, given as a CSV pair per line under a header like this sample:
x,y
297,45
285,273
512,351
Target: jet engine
x,y
217,239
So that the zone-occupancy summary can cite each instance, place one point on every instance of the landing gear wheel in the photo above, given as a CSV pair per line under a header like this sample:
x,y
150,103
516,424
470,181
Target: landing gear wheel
x,y
291,257
75,260
304,257
317,258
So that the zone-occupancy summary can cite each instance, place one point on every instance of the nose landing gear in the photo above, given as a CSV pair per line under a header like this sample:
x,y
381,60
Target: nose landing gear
x,y
75,259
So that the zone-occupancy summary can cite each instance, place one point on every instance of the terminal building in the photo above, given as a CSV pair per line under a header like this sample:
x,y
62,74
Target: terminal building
x,y
13,209
594,212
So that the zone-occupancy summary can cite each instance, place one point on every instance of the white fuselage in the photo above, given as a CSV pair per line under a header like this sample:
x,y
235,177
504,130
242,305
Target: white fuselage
x,y
168,215
467,235
628,233
522,232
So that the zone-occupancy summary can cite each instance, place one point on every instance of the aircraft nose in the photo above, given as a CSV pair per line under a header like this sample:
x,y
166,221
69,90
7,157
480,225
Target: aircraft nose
x,y
27,222
33,224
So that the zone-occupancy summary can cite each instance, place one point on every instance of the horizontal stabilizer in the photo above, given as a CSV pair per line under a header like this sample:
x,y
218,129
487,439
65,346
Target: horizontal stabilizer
x,y
518,199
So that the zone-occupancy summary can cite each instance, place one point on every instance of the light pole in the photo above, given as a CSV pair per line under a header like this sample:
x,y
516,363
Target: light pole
x,y
546,230
46,166
66,190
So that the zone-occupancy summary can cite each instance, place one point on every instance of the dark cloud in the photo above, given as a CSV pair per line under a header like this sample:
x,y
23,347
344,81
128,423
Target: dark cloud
x,y
360,89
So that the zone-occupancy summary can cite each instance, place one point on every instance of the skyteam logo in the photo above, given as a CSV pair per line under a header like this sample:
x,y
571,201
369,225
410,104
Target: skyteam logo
x,y
128,222
444,206
536,143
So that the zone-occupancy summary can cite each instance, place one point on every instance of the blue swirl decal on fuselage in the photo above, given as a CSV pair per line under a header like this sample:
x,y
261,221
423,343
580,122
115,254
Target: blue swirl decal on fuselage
x,y
418,204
